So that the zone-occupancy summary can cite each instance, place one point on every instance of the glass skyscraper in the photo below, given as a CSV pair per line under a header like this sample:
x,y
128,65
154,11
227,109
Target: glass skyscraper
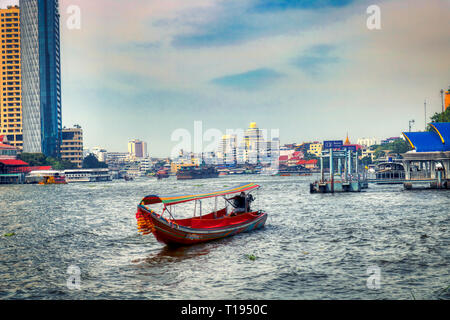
x,y
41,76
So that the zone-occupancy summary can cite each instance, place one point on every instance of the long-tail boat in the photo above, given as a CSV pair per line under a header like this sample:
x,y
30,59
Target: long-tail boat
x,y
218,224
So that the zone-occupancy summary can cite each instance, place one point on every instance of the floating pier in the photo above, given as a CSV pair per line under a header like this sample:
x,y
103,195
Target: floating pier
x,y
344,170
427,167
16,178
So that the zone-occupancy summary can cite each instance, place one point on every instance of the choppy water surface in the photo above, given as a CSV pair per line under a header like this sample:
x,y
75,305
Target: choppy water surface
x,y
313,246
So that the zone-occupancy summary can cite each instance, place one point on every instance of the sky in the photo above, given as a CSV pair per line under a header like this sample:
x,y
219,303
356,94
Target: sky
x,y
312,69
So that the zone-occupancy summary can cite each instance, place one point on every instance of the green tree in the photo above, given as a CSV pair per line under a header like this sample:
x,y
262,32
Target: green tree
x,y
58,164
379,152
440,117
398,146
39,159
91,162
33,159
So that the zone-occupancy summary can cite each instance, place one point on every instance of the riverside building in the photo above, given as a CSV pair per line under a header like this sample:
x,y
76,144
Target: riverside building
x,y
72,145
10,85
41,76
315,148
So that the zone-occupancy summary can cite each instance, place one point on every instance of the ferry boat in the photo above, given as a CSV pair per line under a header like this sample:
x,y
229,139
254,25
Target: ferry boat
x,y
202,172
269,171
389,173
46,177
87,175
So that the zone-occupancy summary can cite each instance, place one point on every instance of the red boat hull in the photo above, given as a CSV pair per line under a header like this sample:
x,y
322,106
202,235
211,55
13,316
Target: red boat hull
x,y
197,230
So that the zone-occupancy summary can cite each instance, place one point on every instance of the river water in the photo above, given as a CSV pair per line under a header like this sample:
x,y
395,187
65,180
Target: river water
x,y
314,246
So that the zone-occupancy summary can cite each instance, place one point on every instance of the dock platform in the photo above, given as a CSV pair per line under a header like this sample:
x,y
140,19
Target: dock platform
x,y
344,170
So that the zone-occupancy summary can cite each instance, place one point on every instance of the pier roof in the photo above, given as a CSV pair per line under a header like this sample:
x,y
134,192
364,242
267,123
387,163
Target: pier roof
x,y
436,140
443,130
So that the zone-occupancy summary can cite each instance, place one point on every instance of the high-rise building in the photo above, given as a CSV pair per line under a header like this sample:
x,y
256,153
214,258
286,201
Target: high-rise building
x,y
227,149
41,76
10,85
254,143
137,149
255,146
72,145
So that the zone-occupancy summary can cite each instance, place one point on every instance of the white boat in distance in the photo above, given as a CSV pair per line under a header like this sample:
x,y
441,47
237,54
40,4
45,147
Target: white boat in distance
x,y
87,175
269,171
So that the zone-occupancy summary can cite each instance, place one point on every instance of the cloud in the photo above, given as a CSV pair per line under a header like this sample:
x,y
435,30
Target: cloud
x,y
317,59
224,24
251,80
265,5
144,45
236,22
221,32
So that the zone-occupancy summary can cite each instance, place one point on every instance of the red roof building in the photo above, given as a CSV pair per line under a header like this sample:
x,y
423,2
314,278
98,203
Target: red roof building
x,y
11,166
309,164
13,162
297,155
291,159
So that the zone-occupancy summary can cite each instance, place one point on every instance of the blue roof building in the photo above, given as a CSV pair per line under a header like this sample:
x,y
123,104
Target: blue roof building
x,y
430,157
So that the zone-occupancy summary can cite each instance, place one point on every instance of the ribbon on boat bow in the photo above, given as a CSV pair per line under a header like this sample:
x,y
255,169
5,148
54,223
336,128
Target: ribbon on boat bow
x,y
144,222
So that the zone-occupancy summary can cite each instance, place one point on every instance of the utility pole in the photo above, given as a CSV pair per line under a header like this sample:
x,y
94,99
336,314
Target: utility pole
x,y
442,99
425,106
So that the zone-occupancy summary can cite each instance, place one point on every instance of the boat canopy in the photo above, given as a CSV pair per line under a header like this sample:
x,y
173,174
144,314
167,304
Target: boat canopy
x,y
175,199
